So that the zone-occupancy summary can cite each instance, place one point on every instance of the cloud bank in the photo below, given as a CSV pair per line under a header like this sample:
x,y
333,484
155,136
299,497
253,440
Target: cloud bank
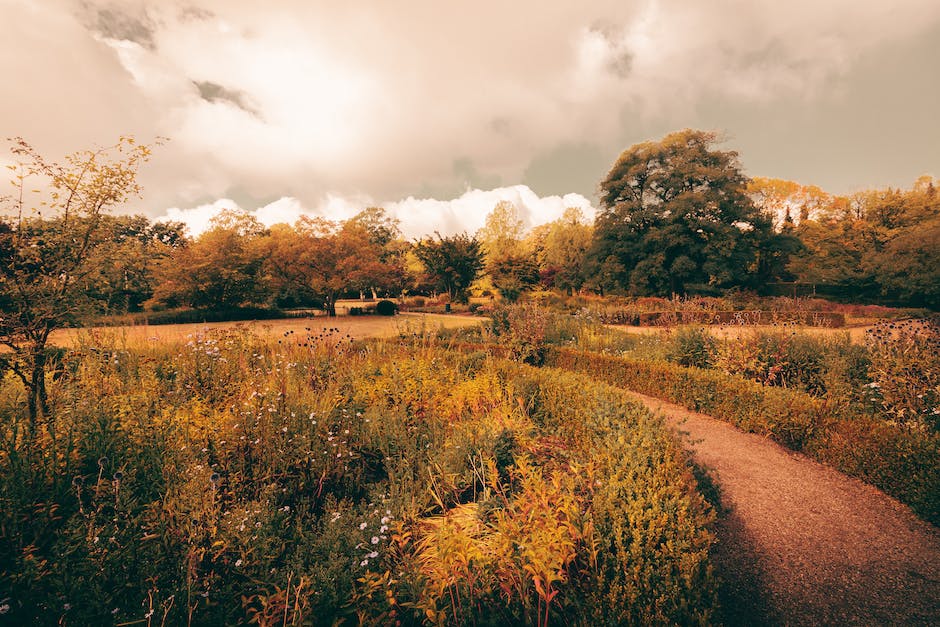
x,y
306,98
418,217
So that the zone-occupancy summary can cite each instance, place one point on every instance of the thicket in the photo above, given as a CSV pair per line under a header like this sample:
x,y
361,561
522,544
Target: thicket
x,y
234,480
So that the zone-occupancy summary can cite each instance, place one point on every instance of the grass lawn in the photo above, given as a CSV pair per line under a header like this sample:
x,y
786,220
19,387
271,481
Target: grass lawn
x,y
358,327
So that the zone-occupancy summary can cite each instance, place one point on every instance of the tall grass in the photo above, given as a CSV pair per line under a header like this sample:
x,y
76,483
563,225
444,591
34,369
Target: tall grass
x,y
313,479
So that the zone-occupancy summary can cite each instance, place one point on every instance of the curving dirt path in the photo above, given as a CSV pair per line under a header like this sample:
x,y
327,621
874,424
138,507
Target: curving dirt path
x,y
802,544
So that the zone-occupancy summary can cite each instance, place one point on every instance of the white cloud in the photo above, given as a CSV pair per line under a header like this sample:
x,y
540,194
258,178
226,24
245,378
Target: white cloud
x,y
383,99
418,216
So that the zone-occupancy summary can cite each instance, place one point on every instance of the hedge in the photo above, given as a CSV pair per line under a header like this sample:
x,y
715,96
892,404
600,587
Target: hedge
x,y
902,463
738,318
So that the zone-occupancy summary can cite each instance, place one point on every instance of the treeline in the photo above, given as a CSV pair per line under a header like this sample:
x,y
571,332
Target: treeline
x,y
677,216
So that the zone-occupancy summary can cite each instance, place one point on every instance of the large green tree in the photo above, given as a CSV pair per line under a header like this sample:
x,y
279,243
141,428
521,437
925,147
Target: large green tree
x,y
675,215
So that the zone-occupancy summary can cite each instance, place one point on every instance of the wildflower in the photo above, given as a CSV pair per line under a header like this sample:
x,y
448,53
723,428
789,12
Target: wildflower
x,y
364,563
373,555
238,563
375,539
363,526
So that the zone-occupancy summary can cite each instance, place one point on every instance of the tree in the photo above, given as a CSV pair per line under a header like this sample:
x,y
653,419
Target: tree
x,y
220,269
385,240
48,251
563,249
514,274
909,266
130,253
319,259
501,235
452,263
674,215
788,201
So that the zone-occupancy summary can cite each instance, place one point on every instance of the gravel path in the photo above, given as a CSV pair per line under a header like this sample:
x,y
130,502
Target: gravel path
x,y
802,544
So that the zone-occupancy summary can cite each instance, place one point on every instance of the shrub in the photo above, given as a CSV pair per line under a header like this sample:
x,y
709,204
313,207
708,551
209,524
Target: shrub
x,y
901,462
386,308
692,346
776,359
232,480
905,372
522,329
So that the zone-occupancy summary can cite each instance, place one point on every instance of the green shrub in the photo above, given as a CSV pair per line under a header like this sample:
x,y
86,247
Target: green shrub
x,y
692,346
899,461
386,308
905,372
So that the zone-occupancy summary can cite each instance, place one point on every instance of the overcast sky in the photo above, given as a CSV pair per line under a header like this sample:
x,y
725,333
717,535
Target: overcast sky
x,y
436,110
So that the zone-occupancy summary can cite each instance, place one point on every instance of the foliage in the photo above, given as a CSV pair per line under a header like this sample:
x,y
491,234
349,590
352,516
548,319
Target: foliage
x,y
692,346
876,243
231,480
905,371
675,214
50,252
501,235
521,330
899,461
452,263
219,270
386,308
514,275
775,358
561,248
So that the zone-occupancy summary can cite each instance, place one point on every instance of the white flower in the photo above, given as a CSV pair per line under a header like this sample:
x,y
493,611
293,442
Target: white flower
x,y
238,563
373,555
363,526
375,540
364,562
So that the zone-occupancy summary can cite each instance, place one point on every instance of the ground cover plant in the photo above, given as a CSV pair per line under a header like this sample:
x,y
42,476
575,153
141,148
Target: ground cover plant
x,y
867,408
313,479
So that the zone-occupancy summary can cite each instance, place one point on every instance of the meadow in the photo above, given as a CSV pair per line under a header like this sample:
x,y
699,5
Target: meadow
x,y
317,479
421,469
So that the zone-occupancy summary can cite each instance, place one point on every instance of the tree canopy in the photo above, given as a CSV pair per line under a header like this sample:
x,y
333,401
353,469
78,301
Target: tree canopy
x,y
675,215
452,263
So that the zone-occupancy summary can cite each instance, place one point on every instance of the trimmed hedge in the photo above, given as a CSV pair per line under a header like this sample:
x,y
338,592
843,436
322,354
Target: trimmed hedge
x,y
738,318
652,525
902,463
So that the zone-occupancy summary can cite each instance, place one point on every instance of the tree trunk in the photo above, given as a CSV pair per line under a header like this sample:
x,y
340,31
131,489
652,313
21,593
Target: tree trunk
x,y
330,308
37,400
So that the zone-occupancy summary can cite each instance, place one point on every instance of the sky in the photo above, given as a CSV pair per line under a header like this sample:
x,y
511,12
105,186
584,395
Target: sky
x,y
438,110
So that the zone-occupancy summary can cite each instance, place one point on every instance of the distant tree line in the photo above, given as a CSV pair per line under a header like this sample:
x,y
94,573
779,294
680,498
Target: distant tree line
x,y
676,216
